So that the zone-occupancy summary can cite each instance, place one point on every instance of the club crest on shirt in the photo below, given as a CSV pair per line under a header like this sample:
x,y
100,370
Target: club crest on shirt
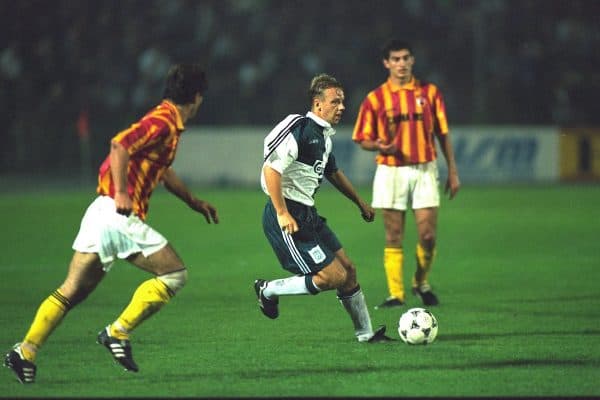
x,y
318,167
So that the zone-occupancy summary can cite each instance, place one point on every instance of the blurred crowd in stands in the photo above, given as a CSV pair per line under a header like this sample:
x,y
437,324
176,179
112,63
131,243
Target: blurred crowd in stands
x,y
89,68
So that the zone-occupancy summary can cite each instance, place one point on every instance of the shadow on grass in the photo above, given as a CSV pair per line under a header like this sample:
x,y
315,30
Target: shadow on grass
x,y
534,363
480,336
593,297
278,373
273,373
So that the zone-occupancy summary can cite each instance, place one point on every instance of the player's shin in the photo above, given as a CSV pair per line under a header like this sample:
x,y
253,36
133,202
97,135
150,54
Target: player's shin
x,y
424,260
355,304
294,285
149,297
49,315
393,262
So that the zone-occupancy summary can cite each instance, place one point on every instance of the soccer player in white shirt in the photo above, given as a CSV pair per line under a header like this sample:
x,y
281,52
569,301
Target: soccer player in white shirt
x,y
297,155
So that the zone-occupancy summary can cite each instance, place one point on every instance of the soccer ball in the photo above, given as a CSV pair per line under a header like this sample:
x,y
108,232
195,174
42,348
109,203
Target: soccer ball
x,y
417,326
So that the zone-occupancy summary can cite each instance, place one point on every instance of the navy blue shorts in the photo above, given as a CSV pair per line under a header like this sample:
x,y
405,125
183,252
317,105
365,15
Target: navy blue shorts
x,y
307,251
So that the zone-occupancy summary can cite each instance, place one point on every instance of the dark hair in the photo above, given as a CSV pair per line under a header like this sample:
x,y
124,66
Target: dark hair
x,y
183,82
319,83
394,45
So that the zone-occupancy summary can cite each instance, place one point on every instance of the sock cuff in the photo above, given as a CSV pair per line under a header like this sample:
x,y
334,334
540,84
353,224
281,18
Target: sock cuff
x,y
60,300
310,285
174,281
162,288
392,250
349,294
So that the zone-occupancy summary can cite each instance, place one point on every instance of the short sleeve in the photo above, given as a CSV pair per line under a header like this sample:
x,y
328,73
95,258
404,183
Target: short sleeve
x,y
283,155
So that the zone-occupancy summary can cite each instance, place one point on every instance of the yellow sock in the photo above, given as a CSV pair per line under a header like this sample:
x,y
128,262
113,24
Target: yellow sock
x,y
392,261
149,297
424,261
49,315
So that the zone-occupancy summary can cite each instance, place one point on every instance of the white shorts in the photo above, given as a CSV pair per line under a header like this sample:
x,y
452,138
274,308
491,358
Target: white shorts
x,y
398,188
111,235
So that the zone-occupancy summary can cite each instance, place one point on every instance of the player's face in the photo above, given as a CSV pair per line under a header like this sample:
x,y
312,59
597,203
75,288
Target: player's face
x,y
331,106
400,64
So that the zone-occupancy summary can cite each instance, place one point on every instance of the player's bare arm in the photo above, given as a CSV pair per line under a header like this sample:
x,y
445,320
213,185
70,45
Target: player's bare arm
x,y
378,145
176,186
339,180
273,182
453,182
119,160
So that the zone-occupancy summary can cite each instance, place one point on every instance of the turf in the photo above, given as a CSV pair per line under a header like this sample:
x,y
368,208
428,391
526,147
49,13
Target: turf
x,y
517,273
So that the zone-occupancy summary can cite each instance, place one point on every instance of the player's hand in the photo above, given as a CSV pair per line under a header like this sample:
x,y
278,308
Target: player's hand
x,y
452,185
287,223
386,148
367,212
123,203
206,209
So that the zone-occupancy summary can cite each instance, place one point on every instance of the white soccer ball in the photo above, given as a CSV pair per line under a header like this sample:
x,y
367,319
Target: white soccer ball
x,y
418,326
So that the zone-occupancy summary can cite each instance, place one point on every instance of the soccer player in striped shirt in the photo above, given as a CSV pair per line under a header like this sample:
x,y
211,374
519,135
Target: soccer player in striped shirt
x,y
113,226
297,156
399,120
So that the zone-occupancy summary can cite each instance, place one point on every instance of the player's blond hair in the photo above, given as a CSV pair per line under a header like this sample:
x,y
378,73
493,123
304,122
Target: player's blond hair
x,y
319,84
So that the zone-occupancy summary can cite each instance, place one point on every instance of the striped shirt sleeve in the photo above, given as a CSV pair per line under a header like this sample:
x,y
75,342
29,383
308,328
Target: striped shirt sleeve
x,y
280,146
441,122
365,127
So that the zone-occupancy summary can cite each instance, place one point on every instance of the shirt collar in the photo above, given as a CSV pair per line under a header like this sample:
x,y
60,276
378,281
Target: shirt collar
x,y
411,85
327,128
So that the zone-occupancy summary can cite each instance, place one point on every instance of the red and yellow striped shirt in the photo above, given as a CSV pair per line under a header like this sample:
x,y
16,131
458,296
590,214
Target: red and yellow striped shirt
x,y
151,144
409,114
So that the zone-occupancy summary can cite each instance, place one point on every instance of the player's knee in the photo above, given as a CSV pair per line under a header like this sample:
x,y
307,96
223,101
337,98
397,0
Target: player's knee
x,y
339,279
175,280
331,279
393,233
427,240
350,273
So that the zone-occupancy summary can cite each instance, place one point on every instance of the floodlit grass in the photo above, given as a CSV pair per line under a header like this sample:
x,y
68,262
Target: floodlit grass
x,y
517,273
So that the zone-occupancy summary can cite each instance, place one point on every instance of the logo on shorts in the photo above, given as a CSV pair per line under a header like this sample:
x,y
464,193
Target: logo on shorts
x,y
317,254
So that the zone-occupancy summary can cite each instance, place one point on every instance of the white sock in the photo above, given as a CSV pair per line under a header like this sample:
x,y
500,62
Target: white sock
x,y
356,306
286,286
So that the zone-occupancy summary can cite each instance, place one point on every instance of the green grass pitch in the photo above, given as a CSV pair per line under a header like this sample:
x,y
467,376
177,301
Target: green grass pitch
x,y
517,273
